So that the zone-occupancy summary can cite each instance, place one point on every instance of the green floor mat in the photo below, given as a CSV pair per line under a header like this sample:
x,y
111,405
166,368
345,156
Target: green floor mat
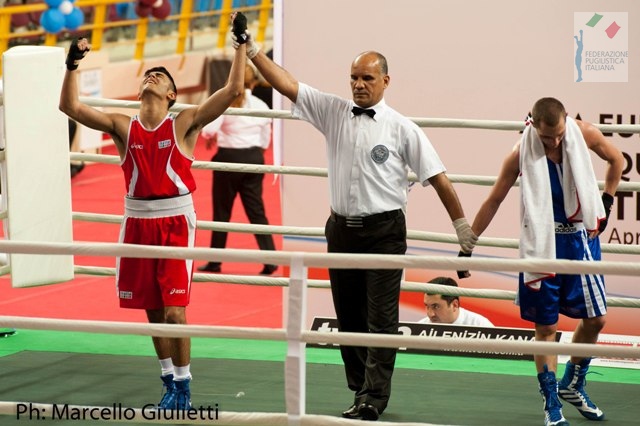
x,y
265,350
443,397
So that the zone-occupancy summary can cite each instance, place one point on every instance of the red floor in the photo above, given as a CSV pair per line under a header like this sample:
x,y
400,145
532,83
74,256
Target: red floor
x,y
99,188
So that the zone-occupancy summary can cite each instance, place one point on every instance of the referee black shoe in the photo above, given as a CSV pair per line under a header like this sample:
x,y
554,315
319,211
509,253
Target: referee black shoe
x,y
368,412
352,413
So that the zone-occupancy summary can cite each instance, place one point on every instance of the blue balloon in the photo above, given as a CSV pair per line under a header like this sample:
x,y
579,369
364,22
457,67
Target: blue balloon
x,y
52,21
53,4
74,19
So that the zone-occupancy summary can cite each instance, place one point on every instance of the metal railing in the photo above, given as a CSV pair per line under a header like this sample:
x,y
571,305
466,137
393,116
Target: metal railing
x,y
111,23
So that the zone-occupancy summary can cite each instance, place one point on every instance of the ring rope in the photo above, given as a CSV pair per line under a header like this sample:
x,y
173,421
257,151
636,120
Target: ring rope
x,y
344,338
310,171
324,260
623,302
422,122
319,232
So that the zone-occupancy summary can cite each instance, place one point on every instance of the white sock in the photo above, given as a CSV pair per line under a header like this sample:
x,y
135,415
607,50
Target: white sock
x,y
182,373
167,366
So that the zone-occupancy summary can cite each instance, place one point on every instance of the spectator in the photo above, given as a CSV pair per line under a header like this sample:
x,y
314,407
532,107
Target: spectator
x,y
447,310
240,139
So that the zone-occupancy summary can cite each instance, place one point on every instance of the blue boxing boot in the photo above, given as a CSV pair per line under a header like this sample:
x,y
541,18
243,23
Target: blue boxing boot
x,y
571,389
183,394
552,405
169,393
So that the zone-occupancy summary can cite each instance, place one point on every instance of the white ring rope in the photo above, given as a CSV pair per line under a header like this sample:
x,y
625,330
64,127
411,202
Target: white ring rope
x,y
319,232
343,338
324,260
422,122
310,171
623,302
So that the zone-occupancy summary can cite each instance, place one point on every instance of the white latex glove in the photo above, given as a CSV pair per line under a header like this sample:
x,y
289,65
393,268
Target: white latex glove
x,y
466,237
252,48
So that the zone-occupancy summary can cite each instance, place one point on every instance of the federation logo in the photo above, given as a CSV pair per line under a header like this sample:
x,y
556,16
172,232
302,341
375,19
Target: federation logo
x,y
380,154
164,144
601,47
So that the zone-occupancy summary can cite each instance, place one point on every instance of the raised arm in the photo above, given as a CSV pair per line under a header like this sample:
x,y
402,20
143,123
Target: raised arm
x,y
114,124
507,177
190,122
279,78
218,102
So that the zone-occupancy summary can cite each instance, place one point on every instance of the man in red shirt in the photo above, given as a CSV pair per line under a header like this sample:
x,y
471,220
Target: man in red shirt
x,y
156,148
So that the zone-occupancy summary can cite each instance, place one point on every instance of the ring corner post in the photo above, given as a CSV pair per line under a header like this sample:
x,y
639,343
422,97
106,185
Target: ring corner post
x,y
295,364
38,181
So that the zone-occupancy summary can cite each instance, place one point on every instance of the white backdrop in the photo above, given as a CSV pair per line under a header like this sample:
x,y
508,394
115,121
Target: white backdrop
x,y
458,59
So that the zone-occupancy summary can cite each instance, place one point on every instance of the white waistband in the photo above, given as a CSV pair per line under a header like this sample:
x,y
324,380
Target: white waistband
x,y
162,207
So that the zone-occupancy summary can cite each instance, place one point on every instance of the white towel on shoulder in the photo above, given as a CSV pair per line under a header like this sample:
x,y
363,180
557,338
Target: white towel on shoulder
x,y
582,202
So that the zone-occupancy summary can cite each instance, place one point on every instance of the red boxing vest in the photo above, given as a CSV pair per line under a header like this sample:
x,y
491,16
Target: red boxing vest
x,y
154,167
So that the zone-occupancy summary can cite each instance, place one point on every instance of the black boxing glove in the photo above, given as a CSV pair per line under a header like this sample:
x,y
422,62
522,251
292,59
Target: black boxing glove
x,y
75,55
607,202
463,274
239,28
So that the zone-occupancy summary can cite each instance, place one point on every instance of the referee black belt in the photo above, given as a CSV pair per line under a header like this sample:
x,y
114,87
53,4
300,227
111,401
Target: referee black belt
x,y
364,221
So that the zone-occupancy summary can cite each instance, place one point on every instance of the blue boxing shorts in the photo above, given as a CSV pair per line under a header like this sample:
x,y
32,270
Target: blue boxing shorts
x,y
575,296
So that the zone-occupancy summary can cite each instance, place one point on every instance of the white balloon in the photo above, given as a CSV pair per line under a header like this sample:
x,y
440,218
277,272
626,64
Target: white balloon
x,y
65,7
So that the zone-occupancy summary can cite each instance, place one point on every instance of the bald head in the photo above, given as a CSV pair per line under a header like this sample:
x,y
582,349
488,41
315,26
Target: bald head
x,y
369,78
372,56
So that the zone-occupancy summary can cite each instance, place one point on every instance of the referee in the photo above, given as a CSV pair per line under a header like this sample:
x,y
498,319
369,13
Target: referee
x,y
370,148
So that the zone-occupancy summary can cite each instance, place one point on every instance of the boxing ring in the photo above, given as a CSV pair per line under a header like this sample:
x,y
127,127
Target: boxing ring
x,y
293,338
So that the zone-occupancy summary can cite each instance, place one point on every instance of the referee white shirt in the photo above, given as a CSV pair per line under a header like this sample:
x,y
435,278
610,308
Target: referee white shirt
x,y
239,131
367,157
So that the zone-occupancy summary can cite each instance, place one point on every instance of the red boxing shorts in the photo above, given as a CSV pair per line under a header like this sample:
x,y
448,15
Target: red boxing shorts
x,y
156,283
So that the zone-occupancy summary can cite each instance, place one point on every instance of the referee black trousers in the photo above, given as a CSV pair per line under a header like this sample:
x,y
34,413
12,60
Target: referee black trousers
x,y
227,185
366,301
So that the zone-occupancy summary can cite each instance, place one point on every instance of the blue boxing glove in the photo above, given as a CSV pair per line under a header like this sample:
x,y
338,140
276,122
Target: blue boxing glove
x,y
607,202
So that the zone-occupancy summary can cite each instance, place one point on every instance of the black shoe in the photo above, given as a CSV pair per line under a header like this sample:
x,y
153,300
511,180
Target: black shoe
x,y
368,412
210,267
268,269
351,413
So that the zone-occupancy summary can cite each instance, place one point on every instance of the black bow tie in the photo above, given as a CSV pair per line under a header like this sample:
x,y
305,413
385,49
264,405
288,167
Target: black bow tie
x,y
356,110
